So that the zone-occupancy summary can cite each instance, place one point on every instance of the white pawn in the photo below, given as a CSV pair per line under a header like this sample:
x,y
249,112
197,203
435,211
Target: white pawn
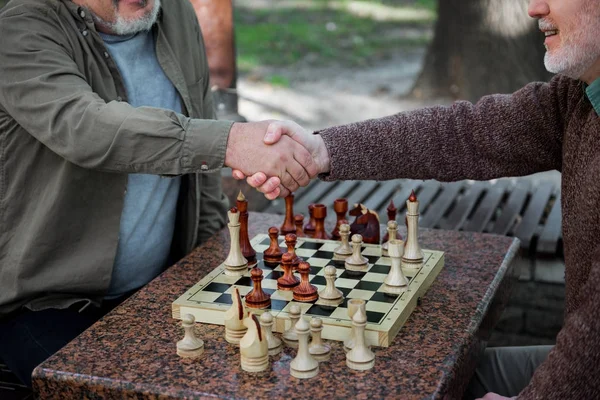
x,y
290,337
360,357
353,306
304,366
319,350
274,343
235,263
254,350
395,282
234,319
190,346
330,296
343,250
357,262
392,229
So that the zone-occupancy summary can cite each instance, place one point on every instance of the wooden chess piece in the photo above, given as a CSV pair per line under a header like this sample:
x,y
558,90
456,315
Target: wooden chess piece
x,y
190,346
356,262
254,350
309,228
392,228
304,366
290,337
320,213
273,342
413,255
257,298
288,281
365,224
319,350
395,282
353,306
340,206
247,250
392,211
305,292
235,263
360,357
272,255
234,318
299,221
344,250
330,296
290,242
288,223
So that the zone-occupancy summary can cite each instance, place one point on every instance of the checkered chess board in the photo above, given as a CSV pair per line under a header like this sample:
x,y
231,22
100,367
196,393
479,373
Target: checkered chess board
x,y
210,298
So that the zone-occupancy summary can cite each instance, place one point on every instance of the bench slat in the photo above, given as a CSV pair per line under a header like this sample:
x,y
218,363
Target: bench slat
x,y
438,207
313,197
487,207
464,206
343,189
381,198
427,193
512,208
406,186
277,206
361,192
548,241
531,216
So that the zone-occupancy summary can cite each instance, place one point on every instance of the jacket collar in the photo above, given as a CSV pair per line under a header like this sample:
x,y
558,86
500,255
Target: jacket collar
x,y
593,93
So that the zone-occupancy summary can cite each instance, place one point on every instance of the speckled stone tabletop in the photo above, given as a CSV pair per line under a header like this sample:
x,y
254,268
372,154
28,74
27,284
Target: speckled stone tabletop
x,y
130,353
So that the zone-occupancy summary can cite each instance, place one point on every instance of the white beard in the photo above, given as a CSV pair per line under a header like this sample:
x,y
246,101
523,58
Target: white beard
x,y
122,26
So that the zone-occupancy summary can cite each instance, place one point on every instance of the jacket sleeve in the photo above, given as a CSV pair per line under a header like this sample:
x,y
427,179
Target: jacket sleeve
x,y
501,135
571,369
44,91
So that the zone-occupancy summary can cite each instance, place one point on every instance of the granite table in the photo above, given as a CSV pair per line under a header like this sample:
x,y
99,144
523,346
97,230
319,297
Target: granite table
x,y
130,353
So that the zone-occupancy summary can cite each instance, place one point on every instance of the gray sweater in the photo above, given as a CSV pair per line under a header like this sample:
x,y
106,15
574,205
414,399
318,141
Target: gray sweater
x,y
541,127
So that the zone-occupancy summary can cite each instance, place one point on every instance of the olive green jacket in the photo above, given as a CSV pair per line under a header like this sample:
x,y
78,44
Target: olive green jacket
x,y
68,139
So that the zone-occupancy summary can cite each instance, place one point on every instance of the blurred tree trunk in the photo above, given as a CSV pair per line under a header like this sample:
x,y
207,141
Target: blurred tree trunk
x,y
481,47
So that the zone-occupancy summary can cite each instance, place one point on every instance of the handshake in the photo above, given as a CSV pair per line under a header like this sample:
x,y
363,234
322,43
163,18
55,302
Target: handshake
x,y
275,157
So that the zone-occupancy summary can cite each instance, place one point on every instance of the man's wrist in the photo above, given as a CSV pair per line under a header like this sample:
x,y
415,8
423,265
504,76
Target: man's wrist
x,y
322,156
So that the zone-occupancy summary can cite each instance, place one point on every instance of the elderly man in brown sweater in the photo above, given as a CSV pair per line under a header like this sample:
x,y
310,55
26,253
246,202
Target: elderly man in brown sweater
x,y
543,126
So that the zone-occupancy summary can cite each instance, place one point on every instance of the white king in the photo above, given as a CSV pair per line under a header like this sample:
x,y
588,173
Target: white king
x,y
412,251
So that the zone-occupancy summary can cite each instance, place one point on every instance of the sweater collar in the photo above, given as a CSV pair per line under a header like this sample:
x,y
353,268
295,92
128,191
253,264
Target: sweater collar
x,y
593,93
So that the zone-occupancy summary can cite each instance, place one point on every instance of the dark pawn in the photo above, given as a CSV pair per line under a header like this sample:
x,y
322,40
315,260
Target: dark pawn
x,y
309,228
391,214
272,255
305,291
257,298
299,221
288,281
320,213
288,223
290,242
340,206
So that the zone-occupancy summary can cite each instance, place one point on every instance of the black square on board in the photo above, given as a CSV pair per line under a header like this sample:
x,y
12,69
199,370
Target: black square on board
x,y
327,255
372,259
352,275
318,280
320,311
224,299
310,245
266,241
244,281
346,291
274,275
315,270
380,269
278,305
374,317
384,297
366,285
216,287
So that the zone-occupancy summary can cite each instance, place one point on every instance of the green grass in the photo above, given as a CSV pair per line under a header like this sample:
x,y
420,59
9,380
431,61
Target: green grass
x,y
326,34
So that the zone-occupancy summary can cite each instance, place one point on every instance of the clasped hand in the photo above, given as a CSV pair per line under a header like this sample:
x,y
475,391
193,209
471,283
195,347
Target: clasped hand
x,y
276,157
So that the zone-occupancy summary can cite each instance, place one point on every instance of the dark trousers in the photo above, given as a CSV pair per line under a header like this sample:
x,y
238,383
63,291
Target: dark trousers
x,y
29,337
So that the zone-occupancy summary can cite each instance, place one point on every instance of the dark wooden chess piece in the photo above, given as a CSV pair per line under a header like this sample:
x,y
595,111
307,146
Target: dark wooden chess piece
x,y
247,250
305,291
365,224
299,221
290,242
288,281
272,255
340,206
320,213
288,223
309,228
391,214
257,298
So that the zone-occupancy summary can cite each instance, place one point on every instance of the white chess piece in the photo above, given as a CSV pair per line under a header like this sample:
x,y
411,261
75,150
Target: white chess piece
x,y
319,350
344,249
190,346
234,318
254,350
235,263
412,251
360,357
274,343
330,296
304,366
392,230
290,337
357,262
395,282
353,306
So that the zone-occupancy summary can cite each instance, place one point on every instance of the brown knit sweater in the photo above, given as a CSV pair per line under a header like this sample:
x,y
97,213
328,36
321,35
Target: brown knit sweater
x,y
541,127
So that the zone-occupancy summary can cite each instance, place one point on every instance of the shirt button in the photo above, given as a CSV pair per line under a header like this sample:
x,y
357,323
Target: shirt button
x,y
82,14
204,167
119,98
84,33
105,54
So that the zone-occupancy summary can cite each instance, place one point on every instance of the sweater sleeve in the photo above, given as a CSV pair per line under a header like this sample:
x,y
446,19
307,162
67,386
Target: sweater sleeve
x,y
501,135
571,369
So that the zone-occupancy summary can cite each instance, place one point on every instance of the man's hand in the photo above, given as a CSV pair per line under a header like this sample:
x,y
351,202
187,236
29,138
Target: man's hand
x,y
271,186
287,160
494,396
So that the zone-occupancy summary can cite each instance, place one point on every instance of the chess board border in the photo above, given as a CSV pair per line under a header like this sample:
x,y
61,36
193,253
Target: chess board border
x,y
334,328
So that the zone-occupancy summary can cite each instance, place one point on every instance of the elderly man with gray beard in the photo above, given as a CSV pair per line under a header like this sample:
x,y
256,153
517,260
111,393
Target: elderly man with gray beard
x,y
110,159
543,126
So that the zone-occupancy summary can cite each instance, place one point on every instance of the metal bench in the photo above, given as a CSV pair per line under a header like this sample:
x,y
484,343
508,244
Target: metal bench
x,y
508,206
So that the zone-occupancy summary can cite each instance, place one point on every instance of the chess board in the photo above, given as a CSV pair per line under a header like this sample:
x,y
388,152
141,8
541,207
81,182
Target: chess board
x,y
209,299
